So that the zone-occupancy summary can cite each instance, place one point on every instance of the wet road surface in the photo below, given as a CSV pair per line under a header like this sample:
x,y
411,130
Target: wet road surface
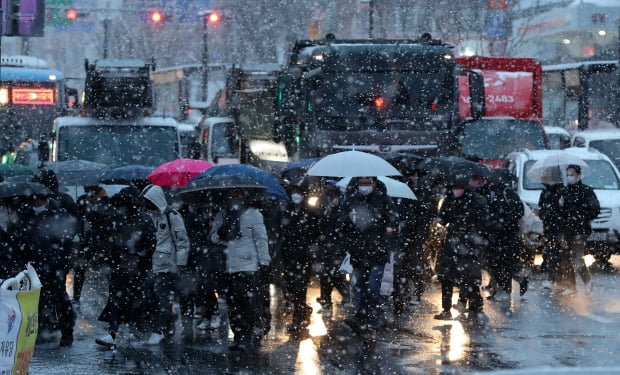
x,y
541,328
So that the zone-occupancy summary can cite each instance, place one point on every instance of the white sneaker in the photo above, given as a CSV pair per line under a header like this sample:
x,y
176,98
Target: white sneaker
x,y
216,322
588,287
204,325
154,339
107,341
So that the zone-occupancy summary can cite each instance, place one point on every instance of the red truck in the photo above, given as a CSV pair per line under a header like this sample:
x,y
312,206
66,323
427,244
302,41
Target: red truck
x,y
513,99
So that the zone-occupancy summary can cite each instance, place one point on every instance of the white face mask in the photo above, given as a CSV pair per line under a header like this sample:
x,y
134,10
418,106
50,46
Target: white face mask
x,y
458,192
38,210
365,190
571,179
297,198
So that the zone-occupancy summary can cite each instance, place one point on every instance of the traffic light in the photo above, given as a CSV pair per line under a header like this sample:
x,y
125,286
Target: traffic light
x,y
71,14
157,16
213,17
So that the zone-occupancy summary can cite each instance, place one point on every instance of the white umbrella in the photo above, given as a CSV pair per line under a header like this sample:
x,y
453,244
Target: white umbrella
x,y
352,164
395,188
552,169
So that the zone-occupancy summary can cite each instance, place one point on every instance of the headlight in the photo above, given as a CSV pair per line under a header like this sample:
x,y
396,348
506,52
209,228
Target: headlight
x,y
312,201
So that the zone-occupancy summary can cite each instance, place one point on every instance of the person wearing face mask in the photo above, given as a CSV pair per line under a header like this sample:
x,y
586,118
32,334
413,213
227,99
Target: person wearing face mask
x,y
299,230
168,260
578,206
367,219
465,213
130,257
48,235
241,229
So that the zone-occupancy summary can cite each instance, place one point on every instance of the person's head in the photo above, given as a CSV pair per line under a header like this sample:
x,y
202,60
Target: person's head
x,y
573,174
457,184
476,181
366,185
39,203
237,199
297,194
94,191
46,177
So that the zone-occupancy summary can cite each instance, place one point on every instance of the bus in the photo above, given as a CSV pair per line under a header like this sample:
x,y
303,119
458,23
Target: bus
x,y
582,95
31,96
178,90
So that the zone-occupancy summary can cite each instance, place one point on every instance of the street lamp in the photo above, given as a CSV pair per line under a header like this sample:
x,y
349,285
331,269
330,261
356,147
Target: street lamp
x,y
208,17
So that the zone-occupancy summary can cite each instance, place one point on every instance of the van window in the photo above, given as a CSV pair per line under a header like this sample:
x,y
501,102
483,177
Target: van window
x,y
609,147
579,142
601,177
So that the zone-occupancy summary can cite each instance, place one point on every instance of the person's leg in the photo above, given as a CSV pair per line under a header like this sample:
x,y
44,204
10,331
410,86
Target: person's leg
x,y
163,288
578,247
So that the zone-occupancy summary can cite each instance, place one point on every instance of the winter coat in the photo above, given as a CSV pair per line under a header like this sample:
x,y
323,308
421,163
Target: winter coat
x,y
549,210
467,219
49,238
580,207
299,230
367,239
172,247
251,250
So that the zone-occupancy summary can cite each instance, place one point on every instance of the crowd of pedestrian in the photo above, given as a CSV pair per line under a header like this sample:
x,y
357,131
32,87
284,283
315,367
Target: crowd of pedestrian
x,y
235,245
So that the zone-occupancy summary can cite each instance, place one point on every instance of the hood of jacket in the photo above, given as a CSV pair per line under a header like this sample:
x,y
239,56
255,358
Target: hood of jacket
x,y
156,195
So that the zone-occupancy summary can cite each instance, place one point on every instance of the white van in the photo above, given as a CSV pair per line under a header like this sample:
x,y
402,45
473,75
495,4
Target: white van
x,y
606,141
604,179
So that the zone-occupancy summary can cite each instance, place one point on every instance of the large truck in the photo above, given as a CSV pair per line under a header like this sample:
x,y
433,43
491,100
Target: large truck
x,y
243,130
371,95
115,128
513,102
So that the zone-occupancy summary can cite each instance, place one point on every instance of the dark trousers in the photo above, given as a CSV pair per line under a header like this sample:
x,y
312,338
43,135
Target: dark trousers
x,y
297,279
164,294
241,290
54,300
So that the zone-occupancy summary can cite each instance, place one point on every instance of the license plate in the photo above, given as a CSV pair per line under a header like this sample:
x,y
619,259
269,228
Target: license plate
x,y
598,236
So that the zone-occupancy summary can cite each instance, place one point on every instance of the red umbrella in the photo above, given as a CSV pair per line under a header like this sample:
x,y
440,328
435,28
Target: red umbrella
x,y
178,172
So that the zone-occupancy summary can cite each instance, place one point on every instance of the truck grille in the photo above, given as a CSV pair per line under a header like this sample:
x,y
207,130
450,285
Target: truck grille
x,y
603,216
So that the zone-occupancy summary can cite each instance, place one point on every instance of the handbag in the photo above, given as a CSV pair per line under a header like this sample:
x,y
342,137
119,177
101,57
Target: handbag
x,y
19,308
387,281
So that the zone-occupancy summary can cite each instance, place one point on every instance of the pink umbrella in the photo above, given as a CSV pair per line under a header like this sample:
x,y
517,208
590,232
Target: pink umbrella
x,y
177,173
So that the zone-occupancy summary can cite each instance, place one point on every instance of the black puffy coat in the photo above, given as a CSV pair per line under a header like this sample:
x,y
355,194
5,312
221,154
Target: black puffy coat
x,y
580,207
467,220
366,239
549,210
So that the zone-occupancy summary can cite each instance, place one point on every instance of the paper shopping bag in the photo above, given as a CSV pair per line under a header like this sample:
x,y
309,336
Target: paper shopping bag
x,y
19,321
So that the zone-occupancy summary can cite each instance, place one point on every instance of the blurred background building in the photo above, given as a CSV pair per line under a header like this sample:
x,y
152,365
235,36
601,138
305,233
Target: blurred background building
x,y
262,30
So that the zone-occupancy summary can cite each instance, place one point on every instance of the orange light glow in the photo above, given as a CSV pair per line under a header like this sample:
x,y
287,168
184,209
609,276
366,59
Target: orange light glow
x,y
214,17
156,17
71,14
379,102
33,96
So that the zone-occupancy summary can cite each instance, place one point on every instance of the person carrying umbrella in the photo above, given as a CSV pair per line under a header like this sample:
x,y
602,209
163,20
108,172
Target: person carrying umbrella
x,y
465,213
48,234
168,260
578,206
368,220
241,228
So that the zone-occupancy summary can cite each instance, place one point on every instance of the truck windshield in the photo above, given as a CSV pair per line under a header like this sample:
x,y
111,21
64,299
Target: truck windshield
x,y
602,176
116,145
383,100
492,139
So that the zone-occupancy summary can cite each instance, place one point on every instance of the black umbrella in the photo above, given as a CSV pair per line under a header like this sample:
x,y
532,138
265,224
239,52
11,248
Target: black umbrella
x,y
126,175
208,188
77,172
23,189
445,165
